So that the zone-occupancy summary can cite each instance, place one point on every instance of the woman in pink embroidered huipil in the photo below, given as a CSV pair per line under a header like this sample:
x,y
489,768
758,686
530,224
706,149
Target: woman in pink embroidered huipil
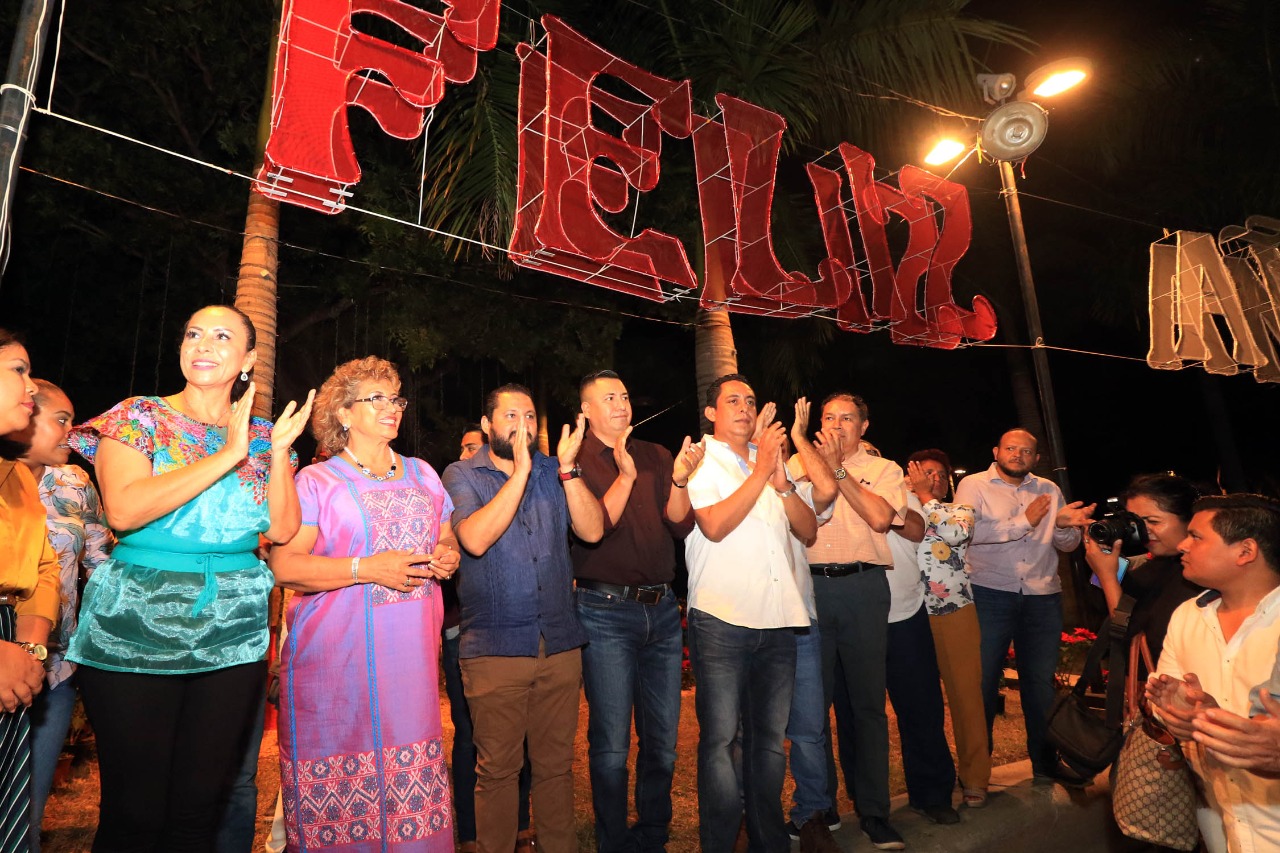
x,y
362,761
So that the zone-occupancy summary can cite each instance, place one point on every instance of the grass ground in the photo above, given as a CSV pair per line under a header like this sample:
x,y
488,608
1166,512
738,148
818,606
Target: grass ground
x,y
71,815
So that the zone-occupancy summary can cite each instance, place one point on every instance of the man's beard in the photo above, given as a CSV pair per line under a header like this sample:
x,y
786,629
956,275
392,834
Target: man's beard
x,y
503,448
1005,470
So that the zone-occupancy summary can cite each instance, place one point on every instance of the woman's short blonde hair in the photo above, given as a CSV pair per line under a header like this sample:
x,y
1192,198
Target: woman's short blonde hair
x,y
339,392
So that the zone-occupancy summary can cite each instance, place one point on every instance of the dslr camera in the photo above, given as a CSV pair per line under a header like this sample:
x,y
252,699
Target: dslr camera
x,y
1123,525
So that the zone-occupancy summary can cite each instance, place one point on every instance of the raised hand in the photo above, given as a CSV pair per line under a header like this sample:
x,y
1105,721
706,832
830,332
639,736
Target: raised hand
x,y
830,446
919,480
237,446
290,424
520,447
687,461
621,456
769,448
1038,509
571,443
1075,514
799,436
764,417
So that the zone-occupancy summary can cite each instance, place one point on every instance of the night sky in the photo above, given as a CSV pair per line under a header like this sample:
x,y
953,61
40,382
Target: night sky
x,y
1094,199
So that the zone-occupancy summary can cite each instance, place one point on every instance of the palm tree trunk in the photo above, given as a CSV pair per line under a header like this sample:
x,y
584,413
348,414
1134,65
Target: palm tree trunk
x,y
714,352
259,256
256,291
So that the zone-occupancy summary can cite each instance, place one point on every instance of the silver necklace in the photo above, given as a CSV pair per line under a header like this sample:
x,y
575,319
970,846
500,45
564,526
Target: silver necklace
x,y
391,472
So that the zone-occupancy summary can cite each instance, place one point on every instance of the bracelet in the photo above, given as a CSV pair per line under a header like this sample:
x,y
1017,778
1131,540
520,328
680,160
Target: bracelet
x,y
355,570
788,493
677,485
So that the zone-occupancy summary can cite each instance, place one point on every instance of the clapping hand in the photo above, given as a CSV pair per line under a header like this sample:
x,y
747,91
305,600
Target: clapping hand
x,y
830,445
1179,701
798,435
622,456
520,447
764,417
290,424
769,455
920,481
1075,514
687,461
237,446
1252,743
571,442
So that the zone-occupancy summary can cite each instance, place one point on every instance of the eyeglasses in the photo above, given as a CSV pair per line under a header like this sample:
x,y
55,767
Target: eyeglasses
x,y
381,401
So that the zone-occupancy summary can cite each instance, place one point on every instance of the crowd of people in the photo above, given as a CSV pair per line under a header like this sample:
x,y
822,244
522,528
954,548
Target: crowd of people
x,y
820,575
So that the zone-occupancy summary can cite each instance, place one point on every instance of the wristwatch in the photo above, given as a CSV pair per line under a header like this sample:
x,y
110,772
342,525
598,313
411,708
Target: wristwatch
x,y
572,474
36,650
841,473
788,493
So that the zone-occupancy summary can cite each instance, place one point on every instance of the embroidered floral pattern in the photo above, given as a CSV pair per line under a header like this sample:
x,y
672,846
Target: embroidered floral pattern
x,y
343,799
171,440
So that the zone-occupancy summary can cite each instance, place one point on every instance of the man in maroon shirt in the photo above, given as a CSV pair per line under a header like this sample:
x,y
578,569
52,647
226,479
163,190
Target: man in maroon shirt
x,y
626,605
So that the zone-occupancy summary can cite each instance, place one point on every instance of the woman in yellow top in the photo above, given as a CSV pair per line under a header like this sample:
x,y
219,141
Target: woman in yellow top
x,y
28,597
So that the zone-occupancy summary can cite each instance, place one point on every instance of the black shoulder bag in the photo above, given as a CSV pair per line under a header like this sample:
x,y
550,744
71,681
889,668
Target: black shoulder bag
x,y
1081,734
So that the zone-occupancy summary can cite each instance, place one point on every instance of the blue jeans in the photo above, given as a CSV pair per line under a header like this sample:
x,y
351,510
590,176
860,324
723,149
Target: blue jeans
x,y
1033,623
806,729
463,759
50,722
631,661
744,677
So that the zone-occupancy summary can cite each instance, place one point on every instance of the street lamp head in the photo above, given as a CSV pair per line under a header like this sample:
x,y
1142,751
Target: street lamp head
x,y
1014,130
996,88
1056,77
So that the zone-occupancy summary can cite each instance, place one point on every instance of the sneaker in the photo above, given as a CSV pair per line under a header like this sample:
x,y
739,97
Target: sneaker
x,y
833,819
815,837
1062,774
793,830
882,835
941,813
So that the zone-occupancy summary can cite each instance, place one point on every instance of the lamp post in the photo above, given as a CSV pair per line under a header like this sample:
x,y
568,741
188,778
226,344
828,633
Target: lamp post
x,y
1009,133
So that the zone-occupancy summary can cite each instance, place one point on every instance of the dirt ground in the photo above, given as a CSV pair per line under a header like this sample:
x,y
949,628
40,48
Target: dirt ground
x,y
71,814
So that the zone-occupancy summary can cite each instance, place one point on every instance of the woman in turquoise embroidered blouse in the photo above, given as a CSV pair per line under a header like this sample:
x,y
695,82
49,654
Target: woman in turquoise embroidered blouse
x,y
173,627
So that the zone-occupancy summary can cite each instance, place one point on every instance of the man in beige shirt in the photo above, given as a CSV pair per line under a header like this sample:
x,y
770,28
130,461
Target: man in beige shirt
x,y
851,590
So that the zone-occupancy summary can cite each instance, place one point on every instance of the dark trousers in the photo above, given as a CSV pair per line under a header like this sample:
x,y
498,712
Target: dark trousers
x,y
853,614
15,761
914,689
169,747
463,760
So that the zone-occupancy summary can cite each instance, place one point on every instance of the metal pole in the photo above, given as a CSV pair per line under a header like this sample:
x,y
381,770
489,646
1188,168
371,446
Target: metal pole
x,y
16,98
1039,358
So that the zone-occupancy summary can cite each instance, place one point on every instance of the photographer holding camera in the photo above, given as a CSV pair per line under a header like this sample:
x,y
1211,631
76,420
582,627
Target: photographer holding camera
x,y
1157,509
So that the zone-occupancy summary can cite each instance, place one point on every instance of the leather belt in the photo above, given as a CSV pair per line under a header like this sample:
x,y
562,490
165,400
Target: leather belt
x,y
643,594
842,570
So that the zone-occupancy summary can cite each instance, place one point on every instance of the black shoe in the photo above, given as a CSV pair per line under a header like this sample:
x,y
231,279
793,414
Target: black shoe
x,y
793,830
882,835
1062,774
941,813
815,837
833,819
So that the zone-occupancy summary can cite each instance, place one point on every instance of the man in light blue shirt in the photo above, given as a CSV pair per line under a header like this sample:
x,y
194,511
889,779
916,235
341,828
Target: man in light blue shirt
x,y
1022,523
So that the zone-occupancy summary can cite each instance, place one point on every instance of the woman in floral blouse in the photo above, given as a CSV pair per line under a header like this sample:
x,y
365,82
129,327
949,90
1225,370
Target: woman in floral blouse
x,y
954,622
80,537
173,628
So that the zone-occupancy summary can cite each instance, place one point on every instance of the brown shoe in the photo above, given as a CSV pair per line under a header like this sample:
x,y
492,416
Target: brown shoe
x,y
815,837
467,847
527,841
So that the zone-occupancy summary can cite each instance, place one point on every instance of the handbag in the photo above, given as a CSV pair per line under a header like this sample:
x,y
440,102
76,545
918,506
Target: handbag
x,y
1080,734
1153,792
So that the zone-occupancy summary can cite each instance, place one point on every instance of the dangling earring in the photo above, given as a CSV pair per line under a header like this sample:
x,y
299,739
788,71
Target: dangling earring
x,y
244,376
345,427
